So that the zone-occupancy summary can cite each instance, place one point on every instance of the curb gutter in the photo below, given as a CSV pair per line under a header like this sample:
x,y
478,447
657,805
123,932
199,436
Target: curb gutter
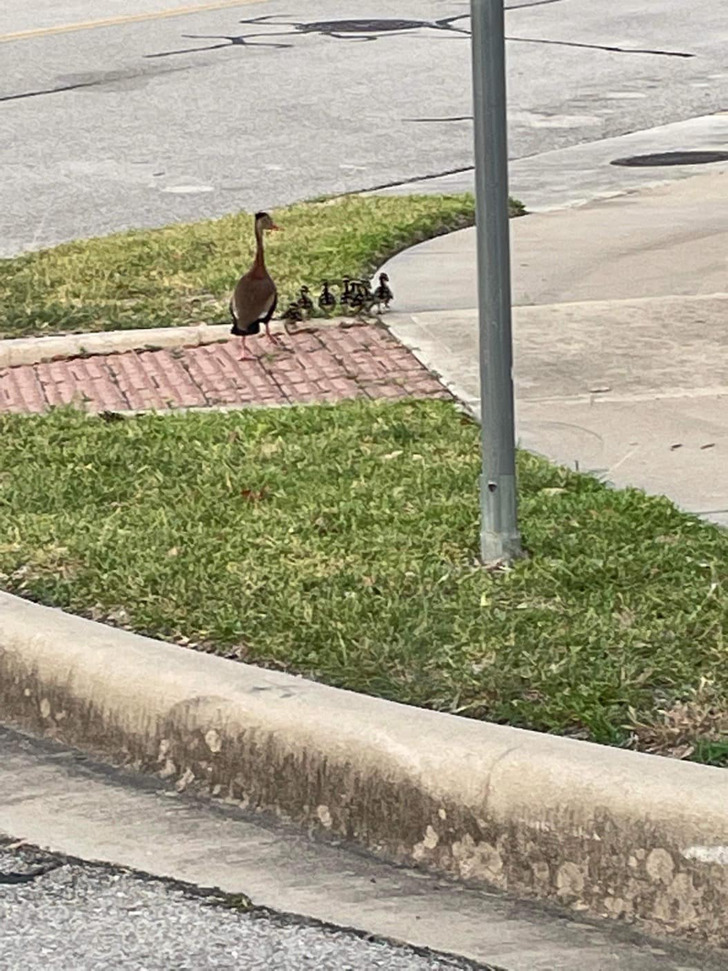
x,y
602,830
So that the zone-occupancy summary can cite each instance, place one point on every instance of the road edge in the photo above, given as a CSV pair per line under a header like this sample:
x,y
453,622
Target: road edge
x,y
600,830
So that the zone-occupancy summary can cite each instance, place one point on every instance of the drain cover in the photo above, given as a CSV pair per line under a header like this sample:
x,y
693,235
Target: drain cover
x,y
673,158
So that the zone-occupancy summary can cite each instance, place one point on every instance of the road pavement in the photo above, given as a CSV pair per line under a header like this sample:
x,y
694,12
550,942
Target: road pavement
x,y
57,914
177,111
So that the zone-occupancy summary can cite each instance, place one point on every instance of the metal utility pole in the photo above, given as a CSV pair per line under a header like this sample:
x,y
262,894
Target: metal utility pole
x,y
499,535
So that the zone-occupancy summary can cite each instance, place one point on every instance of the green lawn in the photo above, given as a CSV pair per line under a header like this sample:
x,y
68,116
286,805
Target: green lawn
x,y
341,543
183,274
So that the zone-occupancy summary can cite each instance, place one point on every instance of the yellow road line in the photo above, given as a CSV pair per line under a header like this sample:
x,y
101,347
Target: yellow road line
x,y
128,19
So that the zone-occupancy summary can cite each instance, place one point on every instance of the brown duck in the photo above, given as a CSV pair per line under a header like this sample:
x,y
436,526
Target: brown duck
x,y
255,297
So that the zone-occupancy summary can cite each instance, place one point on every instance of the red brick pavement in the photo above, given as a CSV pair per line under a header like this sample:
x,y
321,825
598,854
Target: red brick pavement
x,y
325,364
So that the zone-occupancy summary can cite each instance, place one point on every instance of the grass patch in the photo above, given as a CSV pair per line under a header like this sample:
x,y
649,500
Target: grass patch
x,y
184,274
341,543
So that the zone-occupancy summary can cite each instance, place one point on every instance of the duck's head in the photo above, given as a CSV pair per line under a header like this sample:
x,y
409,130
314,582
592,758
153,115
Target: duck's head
x,y
264,221
383,278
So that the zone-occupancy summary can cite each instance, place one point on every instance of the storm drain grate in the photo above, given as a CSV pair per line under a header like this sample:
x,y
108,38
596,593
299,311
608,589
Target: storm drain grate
x,y
672,158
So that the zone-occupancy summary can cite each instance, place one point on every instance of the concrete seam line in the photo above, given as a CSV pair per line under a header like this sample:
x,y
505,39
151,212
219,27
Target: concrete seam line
x,y
613,832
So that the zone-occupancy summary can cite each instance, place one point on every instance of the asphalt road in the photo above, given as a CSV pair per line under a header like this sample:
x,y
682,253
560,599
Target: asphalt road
x,y
162,116
57,915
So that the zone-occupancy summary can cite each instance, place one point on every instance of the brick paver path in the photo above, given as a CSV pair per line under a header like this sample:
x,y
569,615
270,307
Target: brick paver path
x,y
327,364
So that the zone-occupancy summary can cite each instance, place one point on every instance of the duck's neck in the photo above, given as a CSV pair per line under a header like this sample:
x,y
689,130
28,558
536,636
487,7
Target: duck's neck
x,y
259,262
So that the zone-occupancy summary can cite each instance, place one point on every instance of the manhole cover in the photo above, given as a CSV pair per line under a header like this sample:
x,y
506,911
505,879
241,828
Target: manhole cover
x,y
673,158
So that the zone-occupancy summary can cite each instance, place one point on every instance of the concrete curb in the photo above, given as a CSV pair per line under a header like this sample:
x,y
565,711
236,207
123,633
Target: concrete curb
x,y
598,829
17,351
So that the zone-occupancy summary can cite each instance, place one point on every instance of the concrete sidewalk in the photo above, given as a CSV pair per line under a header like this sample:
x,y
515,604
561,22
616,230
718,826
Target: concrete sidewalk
x,y
583,172
620,333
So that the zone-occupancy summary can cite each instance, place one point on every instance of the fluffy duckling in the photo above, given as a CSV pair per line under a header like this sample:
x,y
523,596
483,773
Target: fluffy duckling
x,y
361,299
305,302
293,315
383,294
346,291
327,301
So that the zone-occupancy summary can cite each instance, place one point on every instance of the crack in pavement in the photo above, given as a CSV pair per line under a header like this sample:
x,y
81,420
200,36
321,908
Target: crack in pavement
x,y
599,47
453,118
361,30
15,877
443,24
414,178
37,94
372,29
112,77
532,3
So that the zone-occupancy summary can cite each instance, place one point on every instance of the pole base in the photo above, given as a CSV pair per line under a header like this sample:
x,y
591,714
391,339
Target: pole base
x,y
500,538
497,550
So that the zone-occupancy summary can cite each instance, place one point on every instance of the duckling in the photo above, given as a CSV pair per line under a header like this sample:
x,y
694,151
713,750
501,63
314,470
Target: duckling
x,y
305,302
363,299
292,315
383,294
355,298
327,301
346,292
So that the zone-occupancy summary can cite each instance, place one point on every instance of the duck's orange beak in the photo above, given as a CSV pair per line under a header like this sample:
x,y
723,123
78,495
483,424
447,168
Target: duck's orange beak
x,y
277,229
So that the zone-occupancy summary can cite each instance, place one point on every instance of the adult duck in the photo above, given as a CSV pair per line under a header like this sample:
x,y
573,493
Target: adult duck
x,y
255,297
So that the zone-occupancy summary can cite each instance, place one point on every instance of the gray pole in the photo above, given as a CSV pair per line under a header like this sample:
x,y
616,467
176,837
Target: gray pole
x,y
499,535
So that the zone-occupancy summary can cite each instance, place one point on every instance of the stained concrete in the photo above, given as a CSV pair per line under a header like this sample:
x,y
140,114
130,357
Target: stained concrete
x,y
60,799
597,829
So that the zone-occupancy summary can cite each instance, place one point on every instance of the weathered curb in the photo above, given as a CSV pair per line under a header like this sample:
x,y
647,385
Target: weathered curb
x,y
612,832
17,351
34,350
